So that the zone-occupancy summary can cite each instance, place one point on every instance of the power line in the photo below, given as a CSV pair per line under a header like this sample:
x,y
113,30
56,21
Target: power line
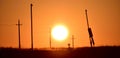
x,y
7,24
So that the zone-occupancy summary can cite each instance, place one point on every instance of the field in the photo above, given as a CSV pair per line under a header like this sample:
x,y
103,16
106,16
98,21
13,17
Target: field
x,y
84,52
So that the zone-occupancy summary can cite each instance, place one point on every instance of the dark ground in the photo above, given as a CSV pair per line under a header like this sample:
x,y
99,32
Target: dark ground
x,y
85,52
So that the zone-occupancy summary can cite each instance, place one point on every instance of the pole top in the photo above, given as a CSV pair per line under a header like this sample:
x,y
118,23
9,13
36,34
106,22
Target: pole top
x,y
72,36
31,4
85,10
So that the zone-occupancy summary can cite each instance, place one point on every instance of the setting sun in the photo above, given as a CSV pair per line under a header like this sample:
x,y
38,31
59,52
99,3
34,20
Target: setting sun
x,y
59,32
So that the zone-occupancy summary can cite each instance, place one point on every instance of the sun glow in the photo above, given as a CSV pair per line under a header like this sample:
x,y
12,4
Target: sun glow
x,y
59,32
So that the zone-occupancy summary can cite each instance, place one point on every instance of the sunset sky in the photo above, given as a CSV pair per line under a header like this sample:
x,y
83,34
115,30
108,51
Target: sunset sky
x,y
104,19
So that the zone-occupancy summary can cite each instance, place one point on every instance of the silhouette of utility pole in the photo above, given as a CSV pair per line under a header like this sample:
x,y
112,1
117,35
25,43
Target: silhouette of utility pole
x,y
73,41
89,31
50,37
19,32
31,27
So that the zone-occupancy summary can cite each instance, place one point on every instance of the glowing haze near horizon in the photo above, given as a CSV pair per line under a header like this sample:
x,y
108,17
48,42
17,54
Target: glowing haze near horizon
x,y
104,19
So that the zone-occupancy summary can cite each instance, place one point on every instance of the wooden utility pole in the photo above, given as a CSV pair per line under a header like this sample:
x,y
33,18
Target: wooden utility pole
x,y
18,24
50,37
31,27
73,41
89,31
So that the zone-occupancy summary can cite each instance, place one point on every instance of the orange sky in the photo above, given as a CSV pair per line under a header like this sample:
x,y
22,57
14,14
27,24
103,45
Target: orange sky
x,y
104,18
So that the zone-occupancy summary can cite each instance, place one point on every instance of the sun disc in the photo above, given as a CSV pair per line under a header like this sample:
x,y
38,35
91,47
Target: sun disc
x,y
59,32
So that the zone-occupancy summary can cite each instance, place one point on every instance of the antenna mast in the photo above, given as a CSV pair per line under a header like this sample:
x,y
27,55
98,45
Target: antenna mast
x,y
89,31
